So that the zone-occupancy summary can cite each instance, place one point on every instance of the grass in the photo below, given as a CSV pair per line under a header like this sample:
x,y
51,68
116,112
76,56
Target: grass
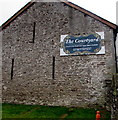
x,y
36,111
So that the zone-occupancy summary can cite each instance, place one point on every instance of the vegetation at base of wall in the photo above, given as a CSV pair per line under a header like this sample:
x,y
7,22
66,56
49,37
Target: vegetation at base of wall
x,y
36,111
115,84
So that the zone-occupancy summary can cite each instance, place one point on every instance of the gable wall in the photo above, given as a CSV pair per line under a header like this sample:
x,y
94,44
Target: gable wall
x,y
79,80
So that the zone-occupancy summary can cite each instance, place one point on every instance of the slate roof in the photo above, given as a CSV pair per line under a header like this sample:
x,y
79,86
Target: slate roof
x,y
113,26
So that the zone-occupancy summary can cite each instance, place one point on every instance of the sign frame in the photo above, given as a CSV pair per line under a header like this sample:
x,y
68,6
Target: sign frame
x,y
70,45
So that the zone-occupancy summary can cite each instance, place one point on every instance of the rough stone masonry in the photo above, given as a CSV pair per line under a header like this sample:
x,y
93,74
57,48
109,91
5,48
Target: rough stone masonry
x,y
34,72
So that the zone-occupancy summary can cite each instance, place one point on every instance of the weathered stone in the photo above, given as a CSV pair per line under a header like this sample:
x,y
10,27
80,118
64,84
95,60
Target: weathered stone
x,y
78,80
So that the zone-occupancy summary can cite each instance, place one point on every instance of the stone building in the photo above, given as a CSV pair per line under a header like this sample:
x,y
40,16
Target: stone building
x,y
58,54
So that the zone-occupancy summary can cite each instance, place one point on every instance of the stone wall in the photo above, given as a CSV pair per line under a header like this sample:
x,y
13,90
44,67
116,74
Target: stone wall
x,y
113,95
28,62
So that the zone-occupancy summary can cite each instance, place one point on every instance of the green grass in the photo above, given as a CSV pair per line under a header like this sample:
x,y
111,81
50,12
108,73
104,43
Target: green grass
x,y
36,111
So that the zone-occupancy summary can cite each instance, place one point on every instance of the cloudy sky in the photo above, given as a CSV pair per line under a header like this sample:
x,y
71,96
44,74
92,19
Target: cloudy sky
x,y
103,8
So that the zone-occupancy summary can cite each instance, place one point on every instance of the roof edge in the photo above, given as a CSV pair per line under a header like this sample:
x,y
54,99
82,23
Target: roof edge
x,y
108,23
4,25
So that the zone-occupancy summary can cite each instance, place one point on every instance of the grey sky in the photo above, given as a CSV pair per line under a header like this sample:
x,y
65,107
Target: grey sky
x,y
103,8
